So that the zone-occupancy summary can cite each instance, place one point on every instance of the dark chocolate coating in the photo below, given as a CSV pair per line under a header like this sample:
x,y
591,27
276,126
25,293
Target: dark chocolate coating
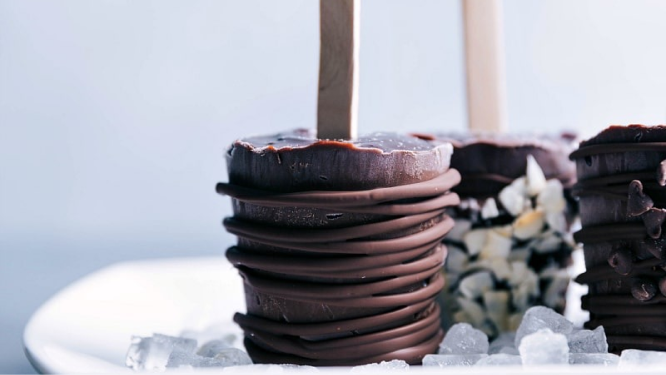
x,y
488,162
297,161
339,246
620,206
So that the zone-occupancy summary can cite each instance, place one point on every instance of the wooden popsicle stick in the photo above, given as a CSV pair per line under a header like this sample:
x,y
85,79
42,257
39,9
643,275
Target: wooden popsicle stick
x,y
337,104
484,57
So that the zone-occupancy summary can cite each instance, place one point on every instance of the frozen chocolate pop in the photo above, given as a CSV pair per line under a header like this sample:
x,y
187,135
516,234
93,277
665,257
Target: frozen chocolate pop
x,y
339,245
510,246
622,207
339,237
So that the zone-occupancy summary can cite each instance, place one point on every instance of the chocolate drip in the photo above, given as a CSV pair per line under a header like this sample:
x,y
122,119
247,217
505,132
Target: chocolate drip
x,y
622,234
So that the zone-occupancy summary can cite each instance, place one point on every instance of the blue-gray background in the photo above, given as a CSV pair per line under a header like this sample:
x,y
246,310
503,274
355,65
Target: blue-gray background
x,y
114,114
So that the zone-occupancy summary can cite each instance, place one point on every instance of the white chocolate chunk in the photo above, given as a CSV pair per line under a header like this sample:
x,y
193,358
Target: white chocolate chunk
x,y
497,306
556,221
495,246
460,227
535,179
474,240
512,196
500,268
551,199
518,273
548,243
473,286
528,224
471,311
520,254
505,230
554,294
528,288
489,209
514,321
527,205
451,278
456,260
461,316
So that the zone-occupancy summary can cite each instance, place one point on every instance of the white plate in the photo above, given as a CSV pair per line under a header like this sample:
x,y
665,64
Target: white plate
x,y
86,328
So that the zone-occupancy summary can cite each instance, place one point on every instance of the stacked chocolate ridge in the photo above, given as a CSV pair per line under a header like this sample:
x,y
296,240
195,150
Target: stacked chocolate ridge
x,y
621,187
339,246
511,243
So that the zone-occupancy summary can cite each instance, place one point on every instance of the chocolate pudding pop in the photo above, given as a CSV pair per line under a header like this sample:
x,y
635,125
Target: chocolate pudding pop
x,y
621,188
339,241
339,246
511,243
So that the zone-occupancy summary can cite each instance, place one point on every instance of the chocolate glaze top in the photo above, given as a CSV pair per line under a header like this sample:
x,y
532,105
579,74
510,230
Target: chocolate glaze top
x,y
629,133
296,161
488,161
301,138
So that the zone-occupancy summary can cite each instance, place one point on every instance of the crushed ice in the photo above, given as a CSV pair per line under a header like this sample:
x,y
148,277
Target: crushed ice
x,y
544,337
159,352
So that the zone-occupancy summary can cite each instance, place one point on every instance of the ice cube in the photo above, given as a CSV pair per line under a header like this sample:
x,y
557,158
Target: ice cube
x,y
445,360
504,340
394,365
232,357
544,347
211,348
586,341
154,353
462,338
539,317
500,360
604,359
642,358
508,350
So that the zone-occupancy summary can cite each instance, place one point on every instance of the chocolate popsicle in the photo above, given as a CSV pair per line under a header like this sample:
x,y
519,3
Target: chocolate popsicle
x,y
339,245
510,245
621,174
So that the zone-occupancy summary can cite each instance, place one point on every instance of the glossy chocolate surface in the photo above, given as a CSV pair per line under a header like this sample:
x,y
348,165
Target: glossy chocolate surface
x,y
296,161
621,204
489,162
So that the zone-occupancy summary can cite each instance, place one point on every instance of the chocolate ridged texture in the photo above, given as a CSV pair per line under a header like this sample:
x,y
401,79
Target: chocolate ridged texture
x,y
621,205
339,245
489,162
